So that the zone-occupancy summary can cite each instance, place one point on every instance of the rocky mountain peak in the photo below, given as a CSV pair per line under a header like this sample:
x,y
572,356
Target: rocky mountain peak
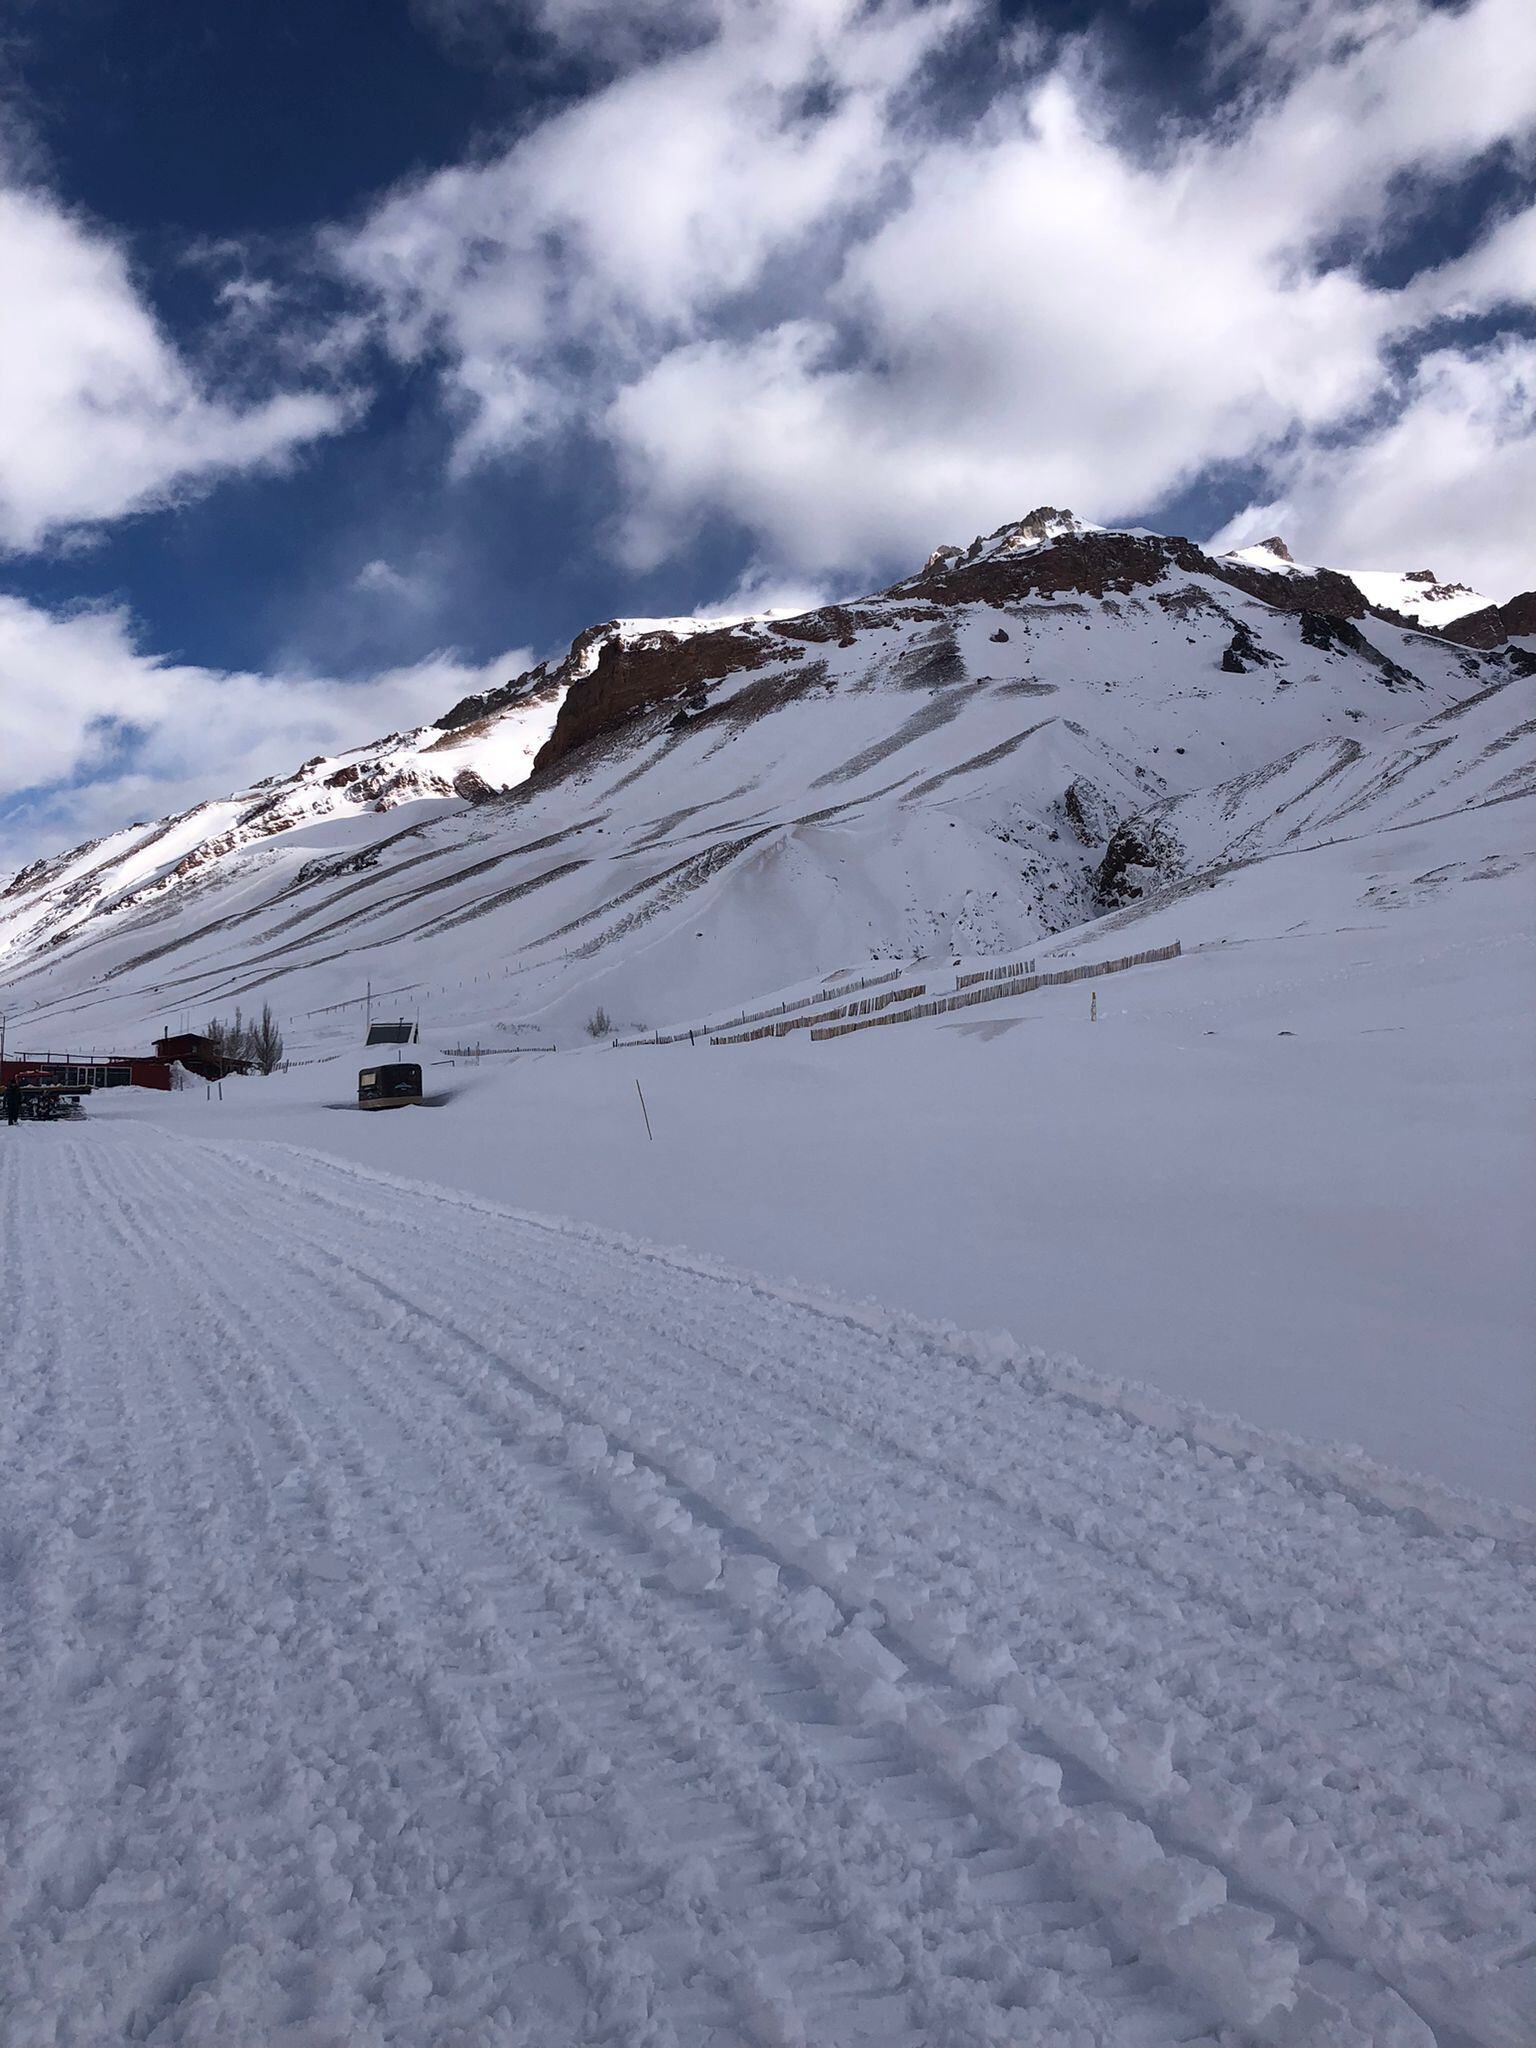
x,y
1035,529
1434,587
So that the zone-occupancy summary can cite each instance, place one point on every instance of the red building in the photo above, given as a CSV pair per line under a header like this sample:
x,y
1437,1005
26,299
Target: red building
x,y
199,1055
88,1070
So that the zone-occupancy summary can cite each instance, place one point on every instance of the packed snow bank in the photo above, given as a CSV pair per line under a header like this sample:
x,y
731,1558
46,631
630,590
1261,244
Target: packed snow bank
x,y
1289,1177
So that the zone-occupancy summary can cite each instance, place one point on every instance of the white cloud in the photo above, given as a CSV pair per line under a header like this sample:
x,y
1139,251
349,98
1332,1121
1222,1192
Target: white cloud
x,y
1090,334
1447,484
624,30
629,221
75,686
381,580
1499,272
1375,97
788,299
762,593
99,414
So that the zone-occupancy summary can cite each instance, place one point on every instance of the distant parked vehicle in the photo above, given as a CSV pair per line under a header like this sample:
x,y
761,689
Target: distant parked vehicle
x,y
389,1087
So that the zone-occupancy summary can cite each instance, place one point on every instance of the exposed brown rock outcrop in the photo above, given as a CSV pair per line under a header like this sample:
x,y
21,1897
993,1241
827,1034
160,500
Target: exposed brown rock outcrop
x,y
520,689
632,676
1495,624
1101,564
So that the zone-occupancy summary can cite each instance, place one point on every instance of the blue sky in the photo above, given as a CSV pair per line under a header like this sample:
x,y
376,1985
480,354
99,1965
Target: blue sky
x,y
352,355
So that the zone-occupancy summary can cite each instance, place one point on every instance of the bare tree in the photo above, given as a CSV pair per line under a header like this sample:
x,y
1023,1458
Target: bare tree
x,y
223,1038
242,1042
266,1041
599,1024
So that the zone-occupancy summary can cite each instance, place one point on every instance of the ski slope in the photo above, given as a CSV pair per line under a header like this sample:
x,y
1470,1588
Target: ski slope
x,y
429,1624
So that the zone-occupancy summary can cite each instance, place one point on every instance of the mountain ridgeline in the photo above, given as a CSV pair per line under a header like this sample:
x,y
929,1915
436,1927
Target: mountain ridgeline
x,y
682,814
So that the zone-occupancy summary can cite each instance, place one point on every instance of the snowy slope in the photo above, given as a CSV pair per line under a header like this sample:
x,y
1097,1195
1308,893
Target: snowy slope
x,y
354,792
720,814
1287,1174
441,1627
1419,594
1472,754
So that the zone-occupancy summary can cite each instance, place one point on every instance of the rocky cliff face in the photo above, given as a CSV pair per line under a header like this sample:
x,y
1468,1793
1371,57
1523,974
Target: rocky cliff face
x,y
621,673
1054,554
1496,624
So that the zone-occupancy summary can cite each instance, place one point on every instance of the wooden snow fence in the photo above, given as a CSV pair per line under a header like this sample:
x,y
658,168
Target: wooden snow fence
x,y
777,1010
781,1026
992,991
822,995
1006,973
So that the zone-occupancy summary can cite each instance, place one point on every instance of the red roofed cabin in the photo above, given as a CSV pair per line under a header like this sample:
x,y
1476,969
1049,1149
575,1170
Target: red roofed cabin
x,y
199,1056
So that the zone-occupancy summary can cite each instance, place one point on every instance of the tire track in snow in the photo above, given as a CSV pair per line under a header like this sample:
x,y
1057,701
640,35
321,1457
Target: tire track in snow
x,y
1241,1931
239,1604
1070,1514
1284,1861
422,1452
1240,1927
1310,1650
361,1812
150,1896
762,1997
845,1881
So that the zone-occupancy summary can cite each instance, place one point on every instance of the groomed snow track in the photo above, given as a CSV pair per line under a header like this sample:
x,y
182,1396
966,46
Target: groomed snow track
x,y
423,1624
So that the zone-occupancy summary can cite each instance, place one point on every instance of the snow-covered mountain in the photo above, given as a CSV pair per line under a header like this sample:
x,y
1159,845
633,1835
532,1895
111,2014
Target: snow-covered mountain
x,y
478,759
719,808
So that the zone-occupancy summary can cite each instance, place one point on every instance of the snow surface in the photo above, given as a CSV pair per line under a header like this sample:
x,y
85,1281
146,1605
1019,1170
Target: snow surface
x,y
1290,1175
1418,595
431,1624
1413,594
1263,557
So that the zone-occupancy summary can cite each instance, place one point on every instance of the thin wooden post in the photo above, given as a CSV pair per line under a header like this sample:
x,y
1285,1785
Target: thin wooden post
x,y
644,1111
